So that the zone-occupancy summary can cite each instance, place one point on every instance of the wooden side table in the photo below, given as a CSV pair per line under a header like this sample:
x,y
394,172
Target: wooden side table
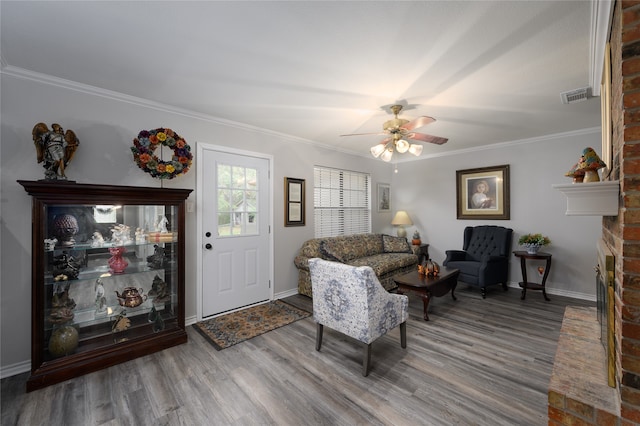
x,y
525,284
422,251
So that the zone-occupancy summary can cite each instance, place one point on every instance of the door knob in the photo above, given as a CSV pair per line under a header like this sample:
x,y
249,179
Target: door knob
x,y
208,246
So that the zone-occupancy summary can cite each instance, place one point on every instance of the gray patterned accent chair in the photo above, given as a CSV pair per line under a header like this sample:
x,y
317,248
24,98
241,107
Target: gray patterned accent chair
x,y
352,301
484,258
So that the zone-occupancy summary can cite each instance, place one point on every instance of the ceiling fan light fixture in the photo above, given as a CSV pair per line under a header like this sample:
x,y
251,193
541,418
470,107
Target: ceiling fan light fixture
x,y
399,132
387,154
378,149
415,149
402,146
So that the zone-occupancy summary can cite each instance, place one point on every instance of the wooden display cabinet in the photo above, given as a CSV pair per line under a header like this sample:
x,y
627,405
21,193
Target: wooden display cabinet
x,y
107,276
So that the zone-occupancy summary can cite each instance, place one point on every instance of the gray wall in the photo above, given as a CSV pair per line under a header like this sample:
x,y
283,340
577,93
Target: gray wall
x,y
427,190
107,122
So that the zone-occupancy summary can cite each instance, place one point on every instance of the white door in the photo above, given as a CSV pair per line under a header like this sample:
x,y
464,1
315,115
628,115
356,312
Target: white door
x,y
235,227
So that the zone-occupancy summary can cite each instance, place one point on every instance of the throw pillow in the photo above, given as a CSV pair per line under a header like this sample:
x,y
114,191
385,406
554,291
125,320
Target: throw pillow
x,y
395,244
332,250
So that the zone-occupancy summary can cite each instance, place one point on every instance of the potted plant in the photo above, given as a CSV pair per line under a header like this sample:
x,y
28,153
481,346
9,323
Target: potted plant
x,y
533,242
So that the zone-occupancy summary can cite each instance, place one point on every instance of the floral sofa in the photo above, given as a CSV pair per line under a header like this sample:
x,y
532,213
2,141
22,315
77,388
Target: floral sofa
x,y
388,256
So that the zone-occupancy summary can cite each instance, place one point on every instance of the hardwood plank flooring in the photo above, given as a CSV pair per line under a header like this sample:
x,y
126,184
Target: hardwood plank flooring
x,y
477,362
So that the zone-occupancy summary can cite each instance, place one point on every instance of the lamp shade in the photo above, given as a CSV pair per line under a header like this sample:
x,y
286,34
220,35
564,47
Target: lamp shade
x,y
401,218
402,146
377,149
387,154
415,149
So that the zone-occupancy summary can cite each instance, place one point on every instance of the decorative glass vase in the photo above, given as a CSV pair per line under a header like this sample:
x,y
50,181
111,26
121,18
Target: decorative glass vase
x,y
117,263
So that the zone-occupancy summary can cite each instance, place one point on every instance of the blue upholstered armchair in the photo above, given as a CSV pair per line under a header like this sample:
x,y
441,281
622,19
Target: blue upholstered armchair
x,y
484,258
352,301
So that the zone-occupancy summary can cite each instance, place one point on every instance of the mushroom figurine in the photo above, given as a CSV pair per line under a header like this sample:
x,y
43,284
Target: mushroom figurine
x,y
591,163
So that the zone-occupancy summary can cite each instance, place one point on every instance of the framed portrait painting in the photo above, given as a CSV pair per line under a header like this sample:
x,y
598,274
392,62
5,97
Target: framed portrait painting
x,y
293,202
384,192
483,193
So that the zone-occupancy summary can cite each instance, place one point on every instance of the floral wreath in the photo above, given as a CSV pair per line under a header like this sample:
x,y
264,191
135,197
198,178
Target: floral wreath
x,y
147,142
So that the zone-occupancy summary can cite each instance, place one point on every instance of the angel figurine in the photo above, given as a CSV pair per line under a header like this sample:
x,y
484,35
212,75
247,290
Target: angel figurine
x,y
55,147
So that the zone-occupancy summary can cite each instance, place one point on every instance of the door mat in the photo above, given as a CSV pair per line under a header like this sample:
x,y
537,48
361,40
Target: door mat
x,y
230,329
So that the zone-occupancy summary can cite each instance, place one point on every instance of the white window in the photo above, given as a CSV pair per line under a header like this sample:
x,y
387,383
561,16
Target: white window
x,y
341,202
237,200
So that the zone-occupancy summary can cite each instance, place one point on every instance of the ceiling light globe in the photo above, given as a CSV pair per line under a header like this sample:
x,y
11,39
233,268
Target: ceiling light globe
x,y
402,146
377,150
386,155
415,149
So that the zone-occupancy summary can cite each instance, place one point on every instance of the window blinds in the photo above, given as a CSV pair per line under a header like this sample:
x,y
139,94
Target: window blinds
x,y
341,202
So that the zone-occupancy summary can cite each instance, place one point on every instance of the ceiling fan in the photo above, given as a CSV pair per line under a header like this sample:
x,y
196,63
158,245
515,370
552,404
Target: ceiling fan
x,y
399,130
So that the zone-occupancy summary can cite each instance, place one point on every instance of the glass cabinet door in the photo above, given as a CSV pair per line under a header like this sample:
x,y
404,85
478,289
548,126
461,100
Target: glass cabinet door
x,y
107,282
110,275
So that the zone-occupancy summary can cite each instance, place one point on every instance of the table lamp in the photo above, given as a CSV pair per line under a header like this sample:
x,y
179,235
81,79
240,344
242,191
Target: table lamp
x,y
401,219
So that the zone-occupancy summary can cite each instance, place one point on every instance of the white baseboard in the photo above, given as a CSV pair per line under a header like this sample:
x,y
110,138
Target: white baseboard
x,y
15,369
287,293
560,292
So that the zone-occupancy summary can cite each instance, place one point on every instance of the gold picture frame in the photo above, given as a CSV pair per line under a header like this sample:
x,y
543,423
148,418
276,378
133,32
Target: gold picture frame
x,y
294,200
483,193
605,111
384,197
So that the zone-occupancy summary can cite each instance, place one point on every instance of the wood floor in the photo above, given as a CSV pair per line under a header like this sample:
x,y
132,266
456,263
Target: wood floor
x,y
477,362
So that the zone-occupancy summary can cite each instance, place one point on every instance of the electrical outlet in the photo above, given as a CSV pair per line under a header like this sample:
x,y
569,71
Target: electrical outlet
x,y
190,206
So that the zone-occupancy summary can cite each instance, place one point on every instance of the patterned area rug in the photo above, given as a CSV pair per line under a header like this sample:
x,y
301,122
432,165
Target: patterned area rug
x,y
227,330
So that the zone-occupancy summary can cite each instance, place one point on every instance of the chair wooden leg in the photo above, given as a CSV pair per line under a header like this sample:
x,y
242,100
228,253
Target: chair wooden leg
x,y
319,328
366,359
403,334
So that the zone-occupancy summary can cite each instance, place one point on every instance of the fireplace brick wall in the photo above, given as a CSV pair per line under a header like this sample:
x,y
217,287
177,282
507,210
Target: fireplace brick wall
x,y
622,232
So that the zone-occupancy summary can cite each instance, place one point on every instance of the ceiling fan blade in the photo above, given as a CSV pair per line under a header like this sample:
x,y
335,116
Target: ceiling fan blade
x,y
427,138
364,134
418,122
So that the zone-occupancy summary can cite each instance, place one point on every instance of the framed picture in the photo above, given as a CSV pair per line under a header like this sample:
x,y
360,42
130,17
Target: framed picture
x,y
384,192
293,202
483,193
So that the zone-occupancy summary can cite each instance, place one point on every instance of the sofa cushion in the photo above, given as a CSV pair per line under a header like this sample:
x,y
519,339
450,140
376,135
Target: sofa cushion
x,y
387,262
466,267
392,244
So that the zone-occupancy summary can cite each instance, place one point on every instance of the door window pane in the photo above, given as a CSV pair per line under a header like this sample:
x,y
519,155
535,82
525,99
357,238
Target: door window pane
x,y
237,200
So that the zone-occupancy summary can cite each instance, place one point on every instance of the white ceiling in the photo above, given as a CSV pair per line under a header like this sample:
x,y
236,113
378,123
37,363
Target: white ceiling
x,y
488,71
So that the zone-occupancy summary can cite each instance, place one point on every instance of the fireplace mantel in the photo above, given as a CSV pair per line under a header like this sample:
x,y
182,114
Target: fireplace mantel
x,y
591,198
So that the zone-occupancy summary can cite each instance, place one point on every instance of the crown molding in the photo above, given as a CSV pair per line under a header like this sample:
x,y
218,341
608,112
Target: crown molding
x,y
502,145
25,74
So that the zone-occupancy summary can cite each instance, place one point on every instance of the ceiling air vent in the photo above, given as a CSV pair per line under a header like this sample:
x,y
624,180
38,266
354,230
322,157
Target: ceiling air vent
x,y
576,95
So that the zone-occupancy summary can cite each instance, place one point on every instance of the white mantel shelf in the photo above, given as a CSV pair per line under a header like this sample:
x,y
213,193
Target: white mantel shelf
x,y
591,198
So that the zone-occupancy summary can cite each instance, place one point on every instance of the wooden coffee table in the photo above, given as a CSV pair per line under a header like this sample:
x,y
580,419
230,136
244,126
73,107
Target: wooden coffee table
x,y
426,287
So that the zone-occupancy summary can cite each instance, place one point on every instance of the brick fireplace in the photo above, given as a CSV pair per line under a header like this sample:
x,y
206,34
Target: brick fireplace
x,y
621,235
